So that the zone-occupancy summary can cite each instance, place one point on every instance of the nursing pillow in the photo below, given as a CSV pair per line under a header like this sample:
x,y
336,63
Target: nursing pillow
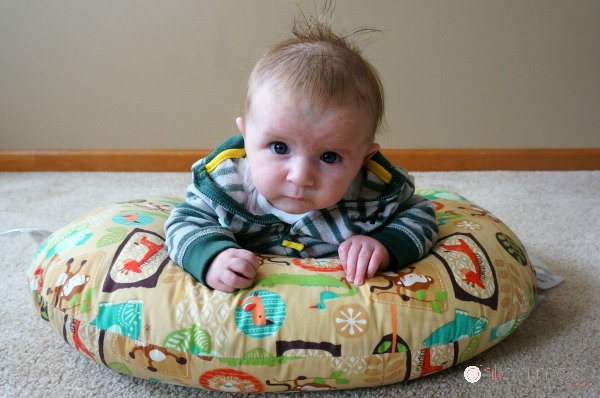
x,y
105,285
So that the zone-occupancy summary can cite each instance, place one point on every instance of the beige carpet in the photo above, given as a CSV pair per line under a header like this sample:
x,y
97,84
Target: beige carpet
x,y
556,215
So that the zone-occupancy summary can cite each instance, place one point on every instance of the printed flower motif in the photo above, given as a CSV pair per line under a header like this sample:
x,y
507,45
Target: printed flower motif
x,y
468,225
230,380
351,320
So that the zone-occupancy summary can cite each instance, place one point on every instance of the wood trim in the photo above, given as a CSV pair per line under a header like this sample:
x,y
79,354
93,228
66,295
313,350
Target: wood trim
x,y
411,159
99,160
496,159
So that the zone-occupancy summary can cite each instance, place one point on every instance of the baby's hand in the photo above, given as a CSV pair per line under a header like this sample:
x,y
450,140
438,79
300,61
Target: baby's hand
x,y
232,269
361,257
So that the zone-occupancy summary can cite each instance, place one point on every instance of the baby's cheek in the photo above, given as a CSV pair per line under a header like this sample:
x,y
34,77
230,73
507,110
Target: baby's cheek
x,y
265,182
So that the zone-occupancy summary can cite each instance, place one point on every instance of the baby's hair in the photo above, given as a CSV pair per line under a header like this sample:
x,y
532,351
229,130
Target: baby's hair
x,y
327,69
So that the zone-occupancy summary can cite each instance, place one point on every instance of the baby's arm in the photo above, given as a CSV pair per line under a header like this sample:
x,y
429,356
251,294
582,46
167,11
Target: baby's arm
x,y
406,239
411,233
361,257
232,269
195,237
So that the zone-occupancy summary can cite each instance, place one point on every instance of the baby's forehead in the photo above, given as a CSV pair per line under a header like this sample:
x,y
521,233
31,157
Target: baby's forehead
x,y
280,93
277,93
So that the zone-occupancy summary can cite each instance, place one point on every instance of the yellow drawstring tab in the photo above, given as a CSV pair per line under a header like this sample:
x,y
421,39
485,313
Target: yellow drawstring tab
x,y
227,154
379,171
293,245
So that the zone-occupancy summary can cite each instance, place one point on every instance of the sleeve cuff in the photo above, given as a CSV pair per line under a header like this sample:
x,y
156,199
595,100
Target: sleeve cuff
x,y
400,247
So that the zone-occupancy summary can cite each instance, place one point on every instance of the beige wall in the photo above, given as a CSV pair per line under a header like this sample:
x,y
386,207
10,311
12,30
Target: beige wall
x,y
171,74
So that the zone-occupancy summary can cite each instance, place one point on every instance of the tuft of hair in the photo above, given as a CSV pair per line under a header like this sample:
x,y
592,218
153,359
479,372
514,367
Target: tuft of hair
x,y
325,68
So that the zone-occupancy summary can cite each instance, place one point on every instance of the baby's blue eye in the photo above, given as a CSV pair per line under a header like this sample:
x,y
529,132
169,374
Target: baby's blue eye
x,y
330,157
279,148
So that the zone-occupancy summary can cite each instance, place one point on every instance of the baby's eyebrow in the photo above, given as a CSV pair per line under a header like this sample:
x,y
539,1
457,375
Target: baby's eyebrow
x,y
274,136
342,149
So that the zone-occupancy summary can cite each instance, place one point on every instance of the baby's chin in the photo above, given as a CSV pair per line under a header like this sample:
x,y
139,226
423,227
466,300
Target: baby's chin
x,y
294,206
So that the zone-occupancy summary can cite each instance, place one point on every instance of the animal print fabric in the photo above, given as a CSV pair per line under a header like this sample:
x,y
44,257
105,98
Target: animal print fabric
x,y
106,286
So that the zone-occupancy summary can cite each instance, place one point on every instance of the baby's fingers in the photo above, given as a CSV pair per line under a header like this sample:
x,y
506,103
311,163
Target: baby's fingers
x,y
361,257
343,254
364,263
242,262
248,257
233,269
374,264
348,259
357,262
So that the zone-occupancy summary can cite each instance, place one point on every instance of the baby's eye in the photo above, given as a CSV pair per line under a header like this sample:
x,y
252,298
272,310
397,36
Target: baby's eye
x,y
279,148
330,157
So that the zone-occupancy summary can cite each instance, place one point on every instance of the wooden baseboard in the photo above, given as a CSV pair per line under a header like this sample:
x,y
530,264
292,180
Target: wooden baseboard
x,y
411,159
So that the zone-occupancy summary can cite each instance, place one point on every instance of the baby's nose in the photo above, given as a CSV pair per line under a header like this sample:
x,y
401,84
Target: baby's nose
x,y
300,173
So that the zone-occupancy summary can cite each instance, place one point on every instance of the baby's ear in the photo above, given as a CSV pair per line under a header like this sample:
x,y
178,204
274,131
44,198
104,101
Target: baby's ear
x,y
372,151
241,125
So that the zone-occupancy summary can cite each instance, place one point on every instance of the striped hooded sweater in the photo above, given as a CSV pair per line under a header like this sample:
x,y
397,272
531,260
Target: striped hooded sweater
x,y
215,216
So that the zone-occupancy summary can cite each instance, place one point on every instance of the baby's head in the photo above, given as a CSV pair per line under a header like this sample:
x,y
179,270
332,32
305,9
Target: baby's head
x,y
326,70
312,110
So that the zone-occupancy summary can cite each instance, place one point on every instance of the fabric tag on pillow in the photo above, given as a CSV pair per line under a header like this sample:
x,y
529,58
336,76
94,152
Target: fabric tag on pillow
x,y
38,235
545,278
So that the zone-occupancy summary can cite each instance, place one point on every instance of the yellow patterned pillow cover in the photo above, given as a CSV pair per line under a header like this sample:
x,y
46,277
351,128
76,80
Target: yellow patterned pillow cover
x,y
106,286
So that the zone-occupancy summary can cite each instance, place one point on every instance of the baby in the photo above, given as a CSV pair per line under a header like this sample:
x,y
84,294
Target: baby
x,y
305,178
